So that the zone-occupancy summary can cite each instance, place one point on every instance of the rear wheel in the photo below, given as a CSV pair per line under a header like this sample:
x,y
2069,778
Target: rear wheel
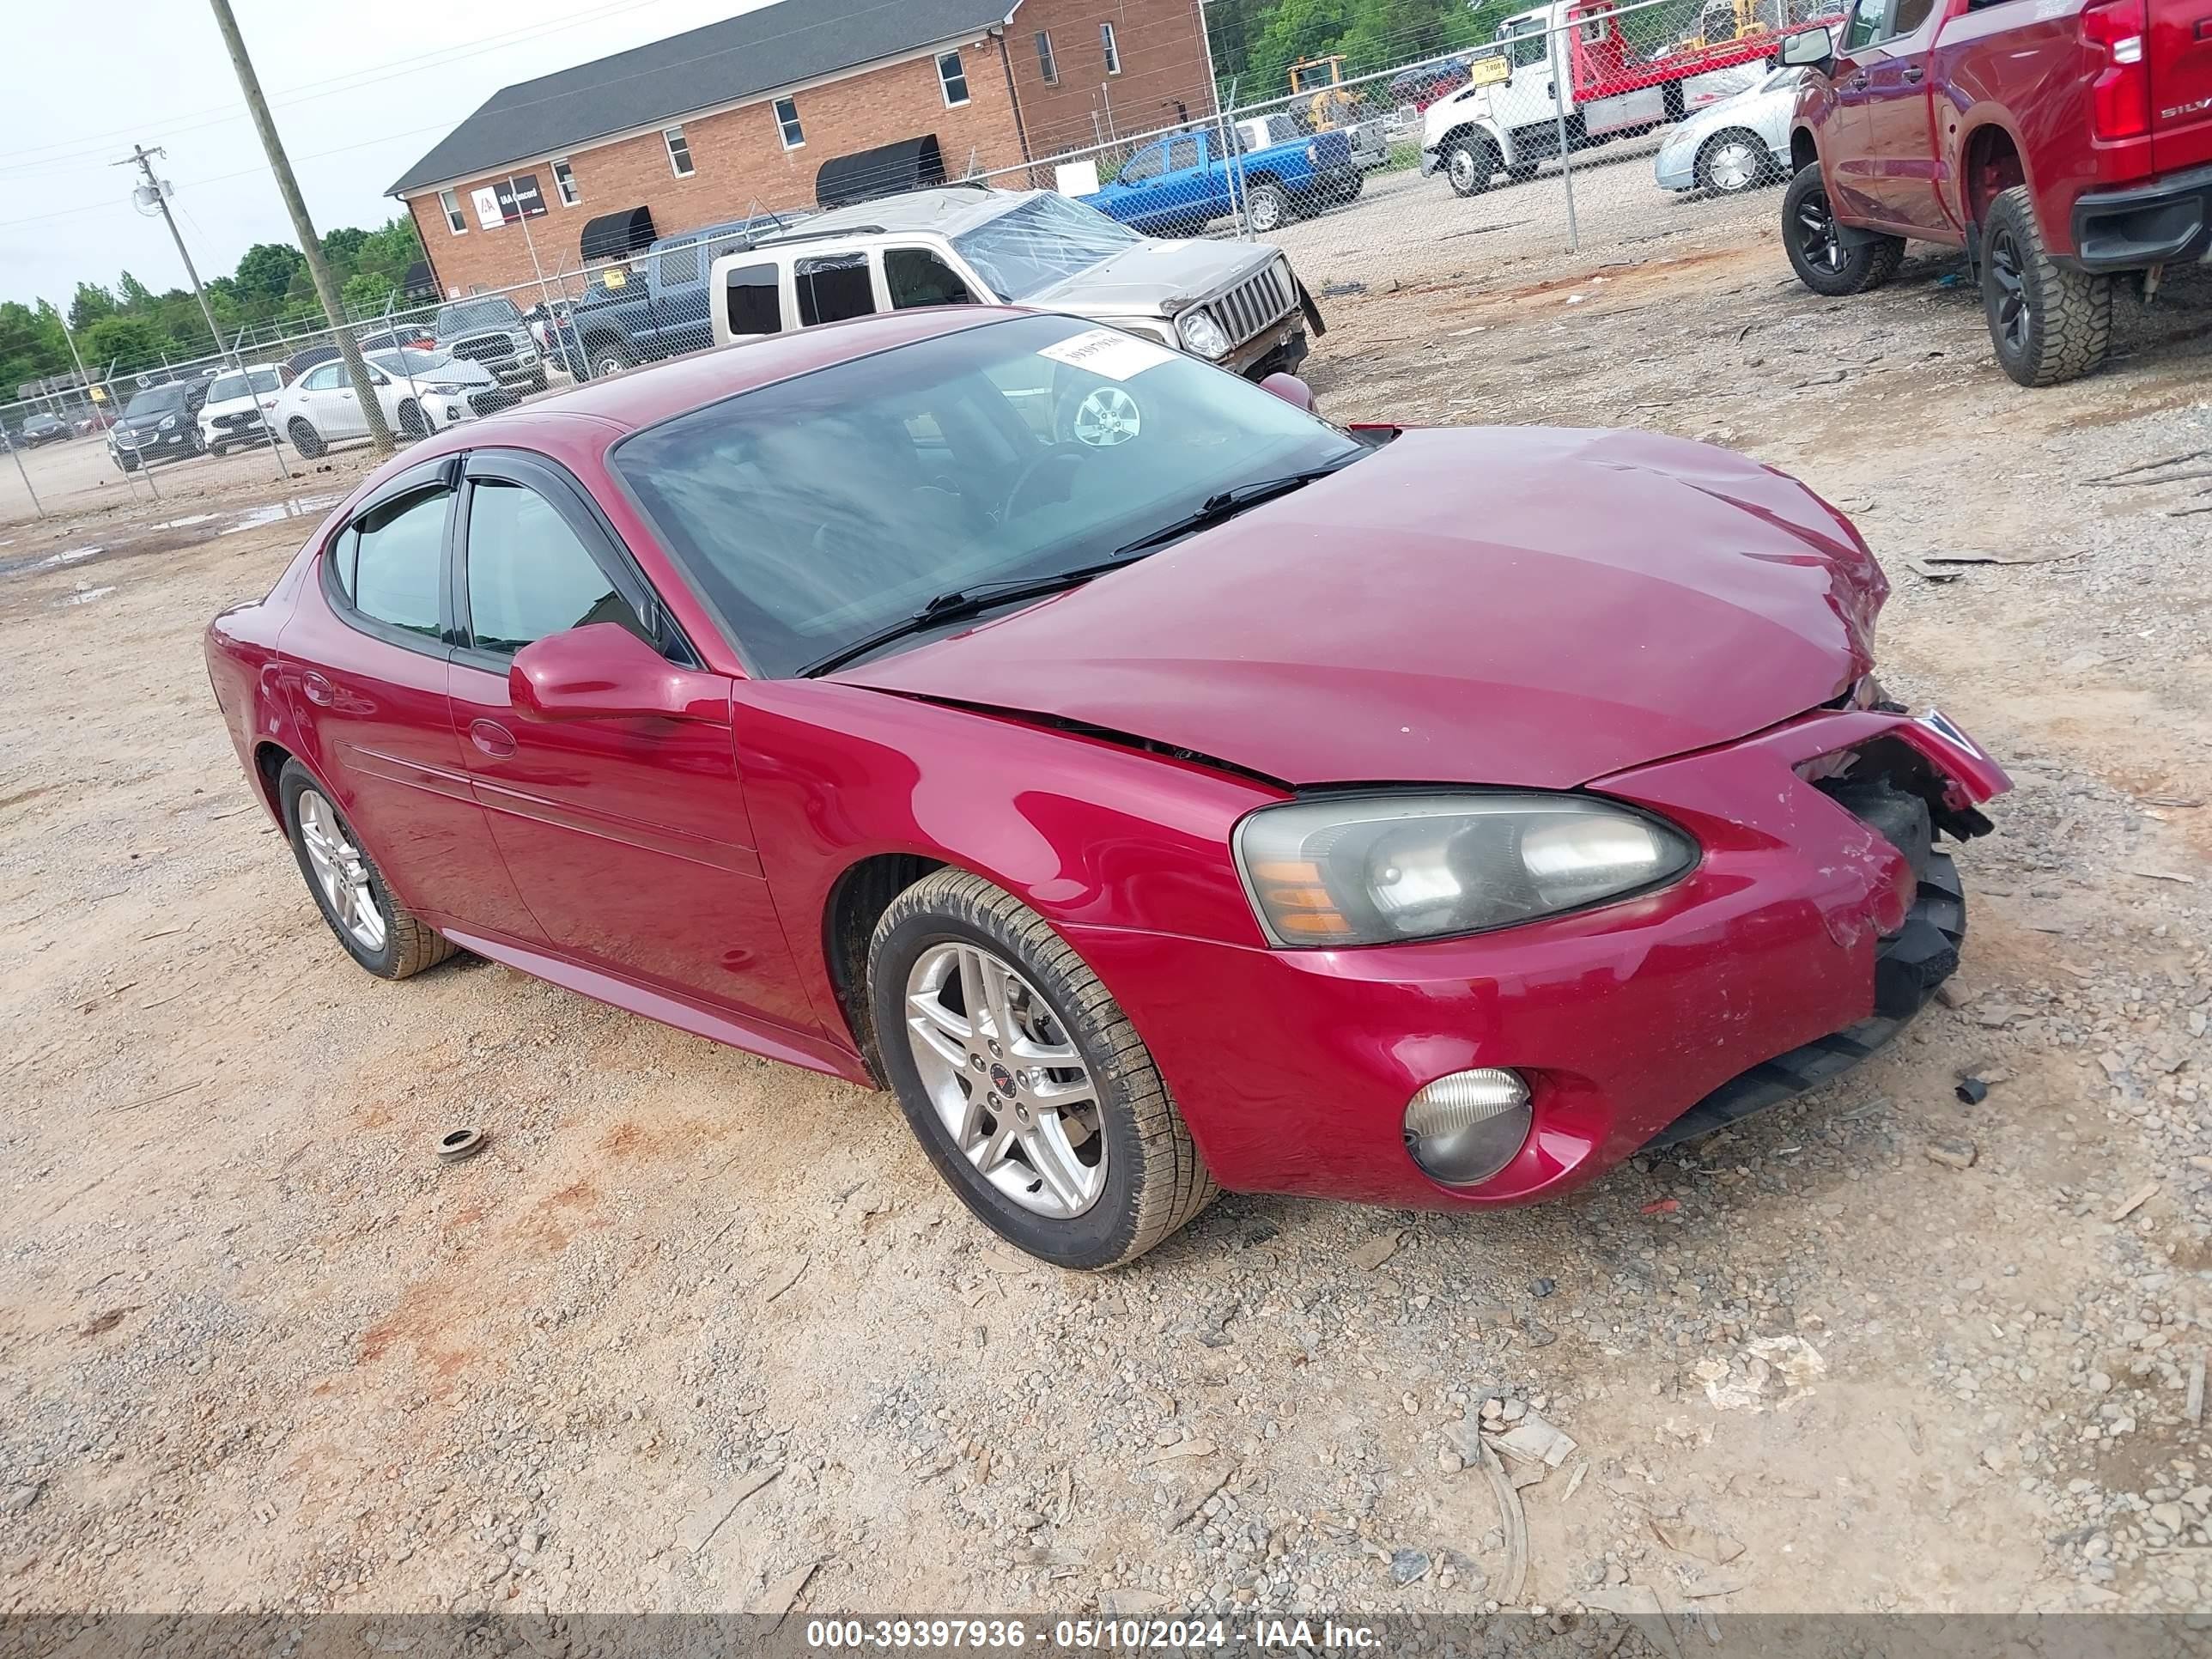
x,y
2049,323
610,358
1026,1084
378,932
305,438
1827,259
1470,164
1734,162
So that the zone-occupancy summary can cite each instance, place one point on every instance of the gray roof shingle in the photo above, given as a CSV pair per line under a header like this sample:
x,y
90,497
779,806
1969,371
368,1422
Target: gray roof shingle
x,y
738,57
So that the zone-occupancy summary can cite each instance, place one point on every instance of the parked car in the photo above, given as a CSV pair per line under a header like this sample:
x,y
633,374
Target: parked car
x,y
1158,788
2061,146
1237,303
490,329
1421,87
1179,185
159,423
419,392
96,418
238,402
1736,144
656,306
45,429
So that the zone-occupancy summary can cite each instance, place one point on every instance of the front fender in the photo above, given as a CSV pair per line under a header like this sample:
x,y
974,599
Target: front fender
x,y
1087,832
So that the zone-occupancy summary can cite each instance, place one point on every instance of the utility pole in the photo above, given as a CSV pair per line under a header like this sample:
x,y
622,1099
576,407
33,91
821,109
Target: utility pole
x,y
311,244
156,191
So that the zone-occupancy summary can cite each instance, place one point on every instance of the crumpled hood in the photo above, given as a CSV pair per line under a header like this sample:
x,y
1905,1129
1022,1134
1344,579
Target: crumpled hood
x,y
1508,605
1146,272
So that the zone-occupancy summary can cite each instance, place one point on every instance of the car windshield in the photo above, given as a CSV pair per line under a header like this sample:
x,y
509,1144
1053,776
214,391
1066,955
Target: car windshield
x,y
401,359
476,314
252,383
1781,78
1046,240
155,400
819,510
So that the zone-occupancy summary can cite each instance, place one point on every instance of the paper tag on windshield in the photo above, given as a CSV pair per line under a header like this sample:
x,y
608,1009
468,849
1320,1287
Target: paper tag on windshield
x,y
1109,353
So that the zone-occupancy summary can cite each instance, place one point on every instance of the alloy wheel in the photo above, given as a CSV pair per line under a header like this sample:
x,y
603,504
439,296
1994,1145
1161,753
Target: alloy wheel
x,y
1006,1080
340,871
1461,166
1817,239
2015,309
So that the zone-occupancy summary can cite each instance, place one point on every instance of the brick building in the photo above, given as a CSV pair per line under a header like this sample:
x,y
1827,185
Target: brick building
x,y
708,125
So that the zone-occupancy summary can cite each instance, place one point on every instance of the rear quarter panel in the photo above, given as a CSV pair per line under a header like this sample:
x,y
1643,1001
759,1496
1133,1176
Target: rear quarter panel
x,y
2011,78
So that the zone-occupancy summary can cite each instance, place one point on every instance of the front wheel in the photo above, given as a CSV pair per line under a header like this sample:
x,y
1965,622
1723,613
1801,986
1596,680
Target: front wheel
x,y
1024,1082
1734,162
2050,323
305,438
1266,208
1470,164
413,423
1825,259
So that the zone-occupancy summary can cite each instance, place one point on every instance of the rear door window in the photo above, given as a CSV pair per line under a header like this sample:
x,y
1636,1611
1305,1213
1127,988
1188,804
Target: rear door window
x,y
833,287
390,564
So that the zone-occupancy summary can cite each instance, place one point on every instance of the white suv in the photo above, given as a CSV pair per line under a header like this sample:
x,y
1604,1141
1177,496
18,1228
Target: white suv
x,y
237,400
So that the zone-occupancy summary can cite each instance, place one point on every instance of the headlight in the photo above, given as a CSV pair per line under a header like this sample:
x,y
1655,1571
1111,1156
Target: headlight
x,y
1202,334
167,421
1367,869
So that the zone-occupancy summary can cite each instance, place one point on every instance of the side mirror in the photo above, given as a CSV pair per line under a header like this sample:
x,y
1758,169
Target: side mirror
x,y
604,671
1808,49
1291,389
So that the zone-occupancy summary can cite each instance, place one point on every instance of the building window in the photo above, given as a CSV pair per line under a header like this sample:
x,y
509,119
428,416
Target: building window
x,y
952,78
456,221
679,152
1046,66
786,121
564,181
1110,51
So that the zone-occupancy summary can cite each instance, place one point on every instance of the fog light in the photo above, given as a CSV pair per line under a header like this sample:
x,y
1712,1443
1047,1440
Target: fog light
x,y
1465,1128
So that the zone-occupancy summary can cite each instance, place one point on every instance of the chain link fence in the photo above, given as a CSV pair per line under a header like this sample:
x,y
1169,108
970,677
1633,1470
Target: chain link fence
x,y
1585,128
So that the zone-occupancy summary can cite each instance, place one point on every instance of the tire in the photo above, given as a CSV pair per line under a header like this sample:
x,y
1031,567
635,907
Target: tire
x,y
218,449
1470,164
1734,161
1144,1178
1266,208
610,358
129,465
394,945
1823,261
1522,171
413,425
540,384
2049,324
305,438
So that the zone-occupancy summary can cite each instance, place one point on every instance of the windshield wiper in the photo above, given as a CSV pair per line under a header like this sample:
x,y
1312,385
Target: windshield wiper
x,y
969,601
1217,508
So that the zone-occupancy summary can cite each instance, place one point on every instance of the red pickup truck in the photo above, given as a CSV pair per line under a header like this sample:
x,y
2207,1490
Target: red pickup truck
x,y
2061,143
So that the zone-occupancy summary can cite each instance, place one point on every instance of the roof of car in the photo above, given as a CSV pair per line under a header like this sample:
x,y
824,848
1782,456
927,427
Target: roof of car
x,y
947,211
644,396
722,62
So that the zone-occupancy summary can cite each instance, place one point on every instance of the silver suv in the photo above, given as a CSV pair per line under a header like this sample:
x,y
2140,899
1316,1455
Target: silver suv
x,y
1237,304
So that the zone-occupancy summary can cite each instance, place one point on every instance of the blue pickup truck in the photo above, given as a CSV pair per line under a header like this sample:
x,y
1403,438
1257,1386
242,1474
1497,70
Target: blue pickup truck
x,y
655,307
1178,184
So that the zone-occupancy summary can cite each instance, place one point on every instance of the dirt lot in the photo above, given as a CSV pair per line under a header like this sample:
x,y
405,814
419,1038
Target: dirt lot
x,y
696,1324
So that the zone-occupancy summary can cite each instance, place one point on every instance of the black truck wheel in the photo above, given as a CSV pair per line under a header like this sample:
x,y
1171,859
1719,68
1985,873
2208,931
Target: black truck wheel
x,y
2050,324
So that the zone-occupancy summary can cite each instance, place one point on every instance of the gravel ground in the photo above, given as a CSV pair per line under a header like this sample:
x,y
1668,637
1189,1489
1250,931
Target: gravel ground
x,y
700,1332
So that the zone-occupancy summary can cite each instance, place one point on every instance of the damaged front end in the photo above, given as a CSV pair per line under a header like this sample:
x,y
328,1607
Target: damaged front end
x,y
1911,780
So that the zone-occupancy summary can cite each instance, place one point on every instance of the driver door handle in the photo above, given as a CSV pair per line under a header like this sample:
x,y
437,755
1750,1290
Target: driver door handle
x,y
1856,83
492,737
1915,74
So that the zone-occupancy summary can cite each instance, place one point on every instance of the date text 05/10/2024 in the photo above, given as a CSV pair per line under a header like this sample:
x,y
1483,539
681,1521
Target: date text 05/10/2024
x,y
1089,1635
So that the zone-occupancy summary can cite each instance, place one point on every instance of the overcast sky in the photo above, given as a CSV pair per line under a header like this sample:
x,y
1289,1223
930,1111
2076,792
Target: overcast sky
x,y
361,89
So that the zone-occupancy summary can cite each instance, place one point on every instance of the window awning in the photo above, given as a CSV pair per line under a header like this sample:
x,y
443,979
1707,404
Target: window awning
x,y
617,235
910,164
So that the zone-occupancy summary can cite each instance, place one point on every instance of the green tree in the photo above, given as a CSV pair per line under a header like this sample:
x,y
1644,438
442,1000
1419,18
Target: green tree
x,y
366,293
91,303
130,342
268,269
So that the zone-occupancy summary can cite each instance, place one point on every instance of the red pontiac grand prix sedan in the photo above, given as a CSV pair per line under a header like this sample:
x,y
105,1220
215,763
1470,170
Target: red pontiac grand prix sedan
x,y
1159,788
